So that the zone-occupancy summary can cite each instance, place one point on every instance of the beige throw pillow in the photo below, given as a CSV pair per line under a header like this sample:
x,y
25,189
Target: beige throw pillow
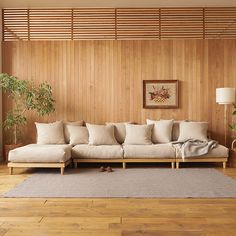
x,y
50,133
66,123
162,130
193,130
101,134
138,134
78,134
119,131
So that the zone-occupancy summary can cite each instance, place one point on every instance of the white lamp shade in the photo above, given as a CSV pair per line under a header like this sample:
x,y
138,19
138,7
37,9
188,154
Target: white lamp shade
x,y
225,95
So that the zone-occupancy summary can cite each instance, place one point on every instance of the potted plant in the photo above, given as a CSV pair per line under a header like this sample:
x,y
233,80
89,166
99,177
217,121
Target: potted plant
x,y
25,96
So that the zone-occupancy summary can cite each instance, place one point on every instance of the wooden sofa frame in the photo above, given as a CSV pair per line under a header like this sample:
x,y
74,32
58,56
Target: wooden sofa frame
x,y
125,161
174,162
60,165
222,160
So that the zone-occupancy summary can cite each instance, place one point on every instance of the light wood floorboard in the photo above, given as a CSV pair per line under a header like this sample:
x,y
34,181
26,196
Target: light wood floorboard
x,y
113,217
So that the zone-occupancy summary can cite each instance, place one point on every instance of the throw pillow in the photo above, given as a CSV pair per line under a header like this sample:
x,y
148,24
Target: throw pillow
x,y
193,130
138,134
162,130
101,134
119,131
66,132
50,133
78,134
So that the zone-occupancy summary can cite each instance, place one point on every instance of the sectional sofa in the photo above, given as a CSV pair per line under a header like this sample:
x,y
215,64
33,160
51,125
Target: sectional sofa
x,y
59,144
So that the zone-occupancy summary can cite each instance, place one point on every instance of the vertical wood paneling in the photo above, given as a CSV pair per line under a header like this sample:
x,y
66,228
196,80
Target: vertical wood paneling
x,y
101,81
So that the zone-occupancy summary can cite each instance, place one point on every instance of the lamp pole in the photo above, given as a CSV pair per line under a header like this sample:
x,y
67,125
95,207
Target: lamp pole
x,y
225,96
225,122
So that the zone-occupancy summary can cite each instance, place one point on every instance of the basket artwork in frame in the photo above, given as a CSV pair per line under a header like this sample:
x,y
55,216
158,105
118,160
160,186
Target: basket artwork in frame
x,y
160,94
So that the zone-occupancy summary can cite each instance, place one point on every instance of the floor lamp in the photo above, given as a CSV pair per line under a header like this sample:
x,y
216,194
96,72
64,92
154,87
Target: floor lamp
x,y
225,96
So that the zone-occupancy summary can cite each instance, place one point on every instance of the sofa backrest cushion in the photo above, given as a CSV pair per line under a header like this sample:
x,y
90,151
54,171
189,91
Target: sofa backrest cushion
x,y
162,130
120,132
138,134
50,133
193,130
101,134
78,134
66,133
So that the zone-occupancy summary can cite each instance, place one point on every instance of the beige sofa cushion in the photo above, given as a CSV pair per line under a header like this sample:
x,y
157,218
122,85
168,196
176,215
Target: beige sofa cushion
x,y
74,123
99,152
162,130
50,133
138,134
149,151
37,153
120,132
101,134
193,130
78,134
217,152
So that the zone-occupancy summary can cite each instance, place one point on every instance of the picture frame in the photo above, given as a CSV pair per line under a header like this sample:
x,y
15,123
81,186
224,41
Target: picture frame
x,y
160,94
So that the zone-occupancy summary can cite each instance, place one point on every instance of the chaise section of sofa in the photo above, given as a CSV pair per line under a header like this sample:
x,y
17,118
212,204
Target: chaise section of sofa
x,y
218,154
150,153
40,155
97,153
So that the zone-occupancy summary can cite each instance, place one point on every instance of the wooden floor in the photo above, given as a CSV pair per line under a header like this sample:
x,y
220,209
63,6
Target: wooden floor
x,y
131,217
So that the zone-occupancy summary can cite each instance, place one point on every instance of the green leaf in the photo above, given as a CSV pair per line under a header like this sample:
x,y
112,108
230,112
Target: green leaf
x,y
233,127
25,96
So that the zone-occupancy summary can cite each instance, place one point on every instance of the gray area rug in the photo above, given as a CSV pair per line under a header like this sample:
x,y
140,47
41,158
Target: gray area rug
x,y
127,183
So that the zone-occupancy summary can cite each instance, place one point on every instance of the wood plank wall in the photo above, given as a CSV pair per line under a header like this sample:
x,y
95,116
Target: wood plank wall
x,y
100,81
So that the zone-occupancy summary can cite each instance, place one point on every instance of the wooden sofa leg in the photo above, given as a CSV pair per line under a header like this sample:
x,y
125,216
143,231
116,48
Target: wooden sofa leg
x,y
75,165
177,165
10,170
172,165
124,165
62,170
224,165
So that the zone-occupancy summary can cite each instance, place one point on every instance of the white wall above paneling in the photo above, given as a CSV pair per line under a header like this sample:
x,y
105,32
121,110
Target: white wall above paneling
x,y
115,3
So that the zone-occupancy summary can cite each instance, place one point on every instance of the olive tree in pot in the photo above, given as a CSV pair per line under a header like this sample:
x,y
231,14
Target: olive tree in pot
x,y
25,96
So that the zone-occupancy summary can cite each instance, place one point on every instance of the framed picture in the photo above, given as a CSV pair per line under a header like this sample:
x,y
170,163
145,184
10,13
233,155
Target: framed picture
x,y
160,94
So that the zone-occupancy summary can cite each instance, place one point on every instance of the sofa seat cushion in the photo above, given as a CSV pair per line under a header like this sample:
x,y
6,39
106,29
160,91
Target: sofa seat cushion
x,y
40,153
99,152
149,151
217,152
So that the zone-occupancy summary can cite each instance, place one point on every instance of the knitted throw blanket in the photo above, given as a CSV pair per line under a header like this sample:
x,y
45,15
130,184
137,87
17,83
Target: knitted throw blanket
x,y
193,147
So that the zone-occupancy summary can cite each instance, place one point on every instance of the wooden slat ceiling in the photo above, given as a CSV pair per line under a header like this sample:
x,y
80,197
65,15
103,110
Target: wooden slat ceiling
x,y
47,24
220,22
182,23
118,23
94,23
15,24
137,23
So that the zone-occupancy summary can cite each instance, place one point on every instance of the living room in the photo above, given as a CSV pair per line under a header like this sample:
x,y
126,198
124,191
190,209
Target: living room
x,y
118,117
